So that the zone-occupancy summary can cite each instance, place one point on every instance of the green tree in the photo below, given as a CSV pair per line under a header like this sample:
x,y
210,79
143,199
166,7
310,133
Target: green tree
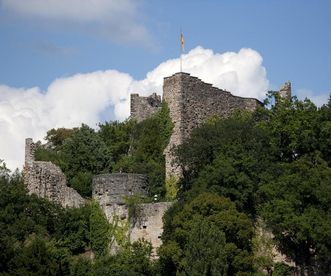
x,y
56,137
223,220
148,141
296,206
203,255
118,137
229,157
85,153
100,231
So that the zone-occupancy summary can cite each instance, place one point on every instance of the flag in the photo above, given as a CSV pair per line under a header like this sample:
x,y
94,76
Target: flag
x,y
182,40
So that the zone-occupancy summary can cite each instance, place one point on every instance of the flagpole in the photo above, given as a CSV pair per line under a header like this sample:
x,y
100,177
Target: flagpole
x,y
181,62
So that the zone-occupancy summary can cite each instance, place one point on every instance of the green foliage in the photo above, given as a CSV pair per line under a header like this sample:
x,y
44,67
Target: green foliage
x,y
273,164
37,257
85,151
282,269
148,141
80,152
117,137
37,237
56,137
297,203
219,215
81,266
48,154
228,157
204,256
100,231
76,229
133,261
171,186
82,183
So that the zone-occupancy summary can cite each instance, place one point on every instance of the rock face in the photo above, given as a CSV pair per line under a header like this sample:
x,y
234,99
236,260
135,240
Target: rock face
x,y
191,102
46,180
144,107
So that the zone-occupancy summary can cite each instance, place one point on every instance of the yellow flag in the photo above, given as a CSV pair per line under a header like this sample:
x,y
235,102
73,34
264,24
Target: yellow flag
x,y
182,40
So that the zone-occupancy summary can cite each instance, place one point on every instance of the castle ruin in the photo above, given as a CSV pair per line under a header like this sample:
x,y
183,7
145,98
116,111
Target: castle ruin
x,y
142,108
47,180
191,102
112,192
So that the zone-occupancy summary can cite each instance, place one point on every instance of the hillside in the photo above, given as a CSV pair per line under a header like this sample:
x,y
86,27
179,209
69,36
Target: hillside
x,y
268,169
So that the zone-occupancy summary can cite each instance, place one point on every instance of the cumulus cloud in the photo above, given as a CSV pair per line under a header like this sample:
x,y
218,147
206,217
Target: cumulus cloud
x,y
118,20
84,98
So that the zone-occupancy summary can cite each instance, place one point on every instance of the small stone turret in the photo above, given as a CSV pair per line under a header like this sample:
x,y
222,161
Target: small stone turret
x,y
285,91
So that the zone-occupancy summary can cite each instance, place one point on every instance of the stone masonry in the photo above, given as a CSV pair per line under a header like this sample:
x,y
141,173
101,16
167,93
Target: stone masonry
x,y
111,190
150,225
144,107
46,180
285,92
192,101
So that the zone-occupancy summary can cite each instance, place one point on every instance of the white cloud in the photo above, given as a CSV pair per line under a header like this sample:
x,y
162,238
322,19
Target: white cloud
x,y
83,98
116,19
318,100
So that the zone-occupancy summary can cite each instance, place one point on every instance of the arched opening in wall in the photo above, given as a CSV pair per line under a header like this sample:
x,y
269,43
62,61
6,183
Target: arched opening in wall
x,y
144,226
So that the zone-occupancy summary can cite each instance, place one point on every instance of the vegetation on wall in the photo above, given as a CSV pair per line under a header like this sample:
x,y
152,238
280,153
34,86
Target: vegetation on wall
x,y
116,147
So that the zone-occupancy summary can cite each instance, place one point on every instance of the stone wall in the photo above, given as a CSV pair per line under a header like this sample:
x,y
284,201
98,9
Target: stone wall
x,y
143,107
46,180
110,191
192,102
149,226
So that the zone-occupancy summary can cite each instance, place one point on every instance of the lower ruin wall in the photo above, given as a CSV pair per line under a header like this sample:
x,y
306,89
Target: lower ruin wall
x,y
46,180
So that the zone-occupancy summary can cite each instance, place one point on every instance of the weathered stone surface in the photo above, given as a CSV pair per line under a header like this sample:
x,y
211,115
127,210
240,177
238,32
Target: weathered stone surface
x,y
143,107
46,180
285,91
110,191
149,226
191,102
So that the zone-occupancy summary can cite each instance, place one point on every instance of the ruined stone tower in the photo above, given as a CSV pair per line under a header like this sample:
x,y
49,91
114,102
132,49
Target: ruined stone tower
x,y
285,91
191,102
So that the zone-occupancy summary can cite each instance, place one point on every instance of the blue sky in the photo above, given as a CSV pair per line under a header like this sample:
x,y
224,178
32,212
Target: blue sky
x,y
293,37
67,62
